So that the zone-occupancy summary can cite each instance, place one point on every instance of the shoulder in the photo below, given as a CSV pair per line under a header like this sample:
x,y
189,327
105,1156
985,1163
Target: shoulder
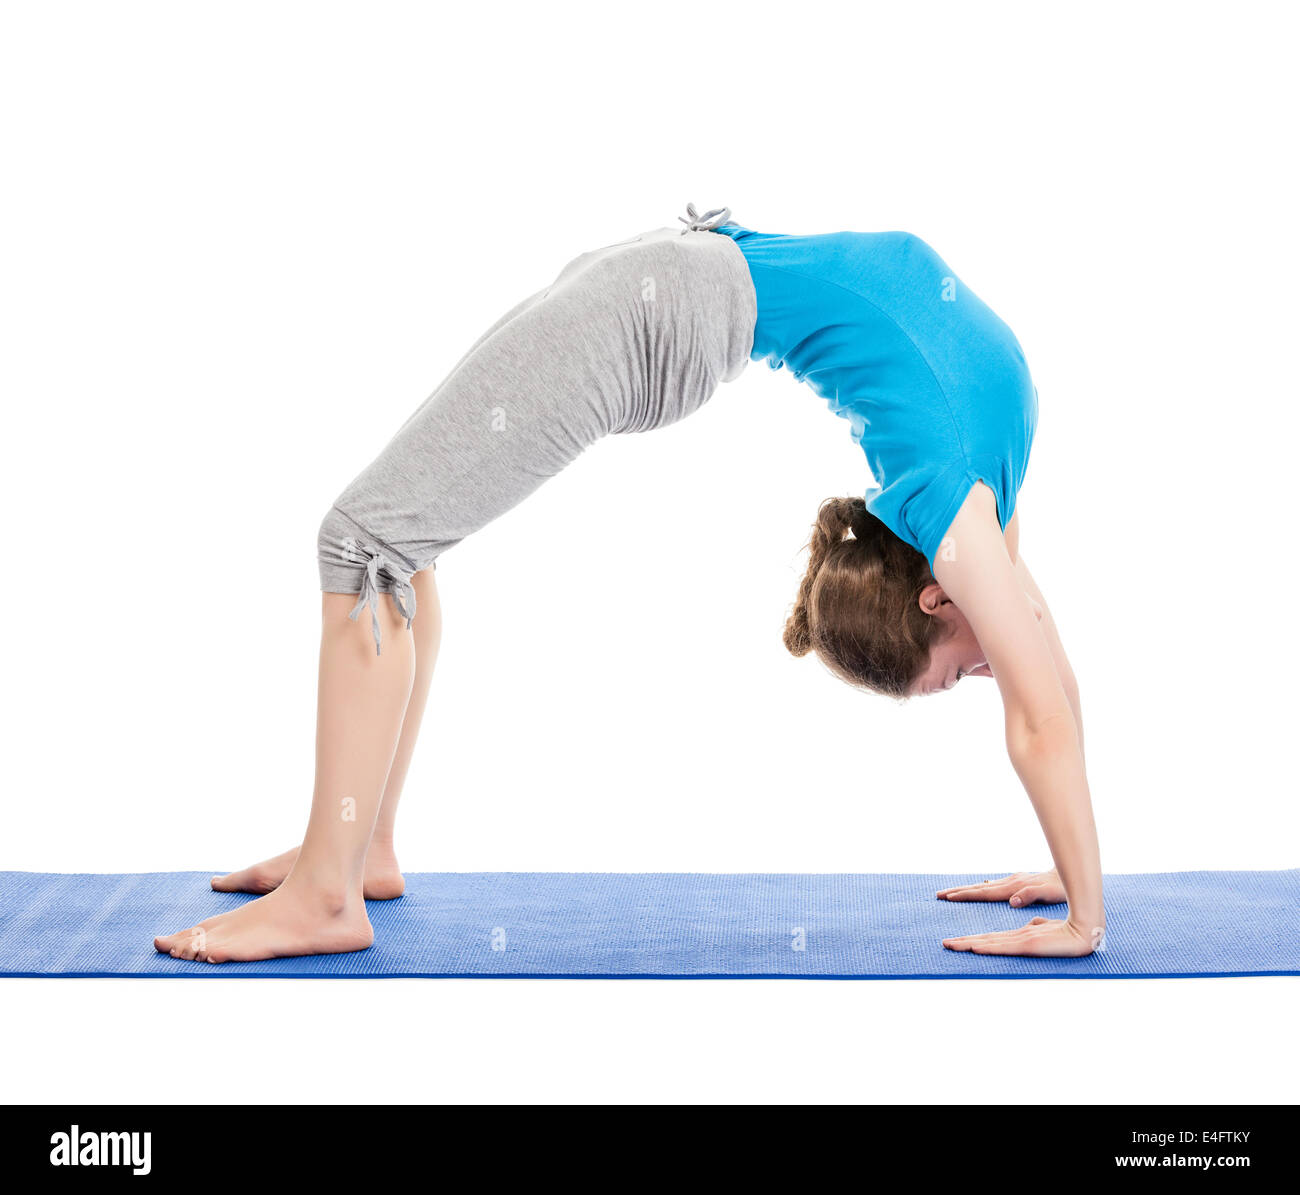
x,y
974,532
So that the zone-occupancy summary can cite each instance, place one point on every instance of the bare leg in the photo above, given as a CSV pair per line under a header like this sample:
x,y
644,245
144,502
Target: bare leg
x,y
383,877
361,705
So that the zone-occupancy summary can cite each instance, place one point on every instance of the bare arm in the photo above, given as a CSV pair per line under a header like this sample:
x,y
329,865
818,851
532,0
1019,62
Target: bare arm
x,y
1059,658
1043,737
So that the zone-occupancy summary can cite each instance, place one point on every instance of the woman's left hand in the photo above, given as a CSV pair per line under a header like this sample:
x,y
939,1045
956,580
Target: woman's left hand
x,y
1040,937
1018,889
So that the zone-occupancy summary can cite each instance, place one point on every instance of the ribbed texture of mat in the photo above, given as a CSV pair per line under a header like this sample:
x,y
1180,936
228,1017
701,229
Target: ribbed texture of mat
x,y
666,925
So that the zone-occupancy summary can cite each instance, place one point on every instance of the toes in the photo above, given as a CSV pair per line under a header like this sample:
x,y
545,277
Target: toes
x,y
188,944
248,880
171,943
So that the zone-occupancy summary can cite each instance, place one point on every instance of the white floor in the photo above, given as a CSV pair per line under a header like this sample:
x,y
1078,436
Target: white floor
x,y
1014,1043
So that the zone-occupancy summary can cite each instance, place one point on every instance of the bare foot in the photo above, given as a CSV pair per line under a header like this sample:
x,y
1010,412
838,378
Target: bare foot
x,y
287,923
383,876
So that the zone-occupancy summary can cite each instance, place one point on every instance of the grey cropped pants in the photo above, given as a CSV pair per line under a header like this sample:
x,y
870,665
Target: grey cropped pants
x,y
628,338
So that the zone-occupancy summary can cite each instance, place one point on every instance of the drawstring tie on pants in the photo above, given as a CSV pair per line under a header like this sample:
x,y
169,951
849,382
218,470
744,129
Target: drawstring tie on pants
x,y
369,595
706,223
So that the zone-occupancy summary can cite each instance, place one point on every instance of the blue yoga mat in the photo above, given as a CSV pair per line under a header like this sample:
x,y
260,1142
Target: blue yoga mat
x,y
667,926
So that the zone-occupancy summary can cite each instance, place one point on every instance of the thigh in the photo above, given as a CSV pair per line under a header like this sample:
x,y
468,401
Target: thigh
x,y
626,339
536,390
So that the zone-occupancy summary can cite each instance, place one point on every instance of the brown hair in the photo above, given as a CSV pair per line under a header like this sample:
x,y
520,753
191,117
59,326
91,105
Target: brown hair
x,y
857,605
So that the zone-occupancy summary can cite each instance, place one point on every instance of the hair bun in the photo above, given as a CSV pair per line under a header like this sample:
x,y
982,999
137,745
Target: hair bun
x,y
797,636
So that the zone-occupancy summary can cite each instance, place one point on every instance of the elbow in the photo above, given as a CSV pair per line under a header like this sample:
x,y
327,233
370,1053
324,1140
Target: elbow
x,y
1034,746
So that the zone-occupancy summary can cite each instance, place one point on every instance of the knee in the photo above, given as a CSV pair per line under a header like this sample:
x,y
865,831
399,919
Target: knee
x,y
340,554
354,562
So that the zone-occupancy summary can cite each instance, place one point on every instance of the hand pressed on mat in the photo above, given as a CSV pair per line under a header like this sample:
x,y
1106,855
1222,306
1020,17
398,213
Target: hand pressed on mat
x,y
1040,937
1019,889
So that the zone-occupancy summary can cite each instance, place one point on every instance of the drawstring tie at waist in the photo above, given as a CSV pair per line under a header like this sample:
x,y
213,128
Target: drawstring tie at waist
x,y
369,595
706,223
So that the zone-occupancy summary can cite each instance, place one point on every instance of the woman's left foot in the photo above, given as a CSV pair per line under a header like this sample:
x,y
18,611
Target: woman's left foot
x,y
284,924
384,880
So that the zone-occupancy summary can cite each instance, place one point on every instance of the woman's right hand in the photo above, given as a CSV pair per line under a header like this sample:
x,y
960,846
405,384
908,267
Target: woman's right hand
x,y
1022,888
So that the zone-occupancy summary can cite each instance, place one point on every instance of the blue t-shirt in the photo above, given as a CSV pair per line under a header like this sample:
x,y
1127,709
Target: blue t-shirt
x,y
934,385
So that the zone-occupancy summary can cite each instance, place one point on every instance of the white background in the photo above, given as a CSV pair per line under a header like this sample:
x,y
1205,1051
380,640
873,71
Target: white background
x,y
240,245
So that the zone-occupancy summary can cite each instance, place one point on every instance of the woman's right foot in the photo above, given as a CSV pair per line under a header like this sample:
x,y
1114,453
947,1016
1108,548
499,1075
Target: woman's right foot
x,y
293,920
383,881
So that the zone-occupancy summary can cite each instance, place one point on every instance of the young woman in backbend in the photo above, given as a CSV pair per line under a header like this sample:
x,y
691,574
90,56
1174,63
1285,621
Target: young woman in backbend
x,y
907,592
